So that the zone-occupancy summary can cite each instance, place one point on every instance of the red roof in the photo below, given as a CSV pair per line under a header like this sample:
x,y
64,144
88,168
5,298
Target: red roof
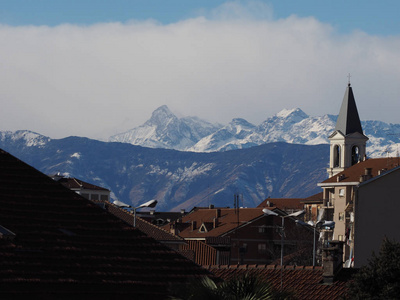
x,y
353,173
284,204
305,282
318,196
65,245
205,218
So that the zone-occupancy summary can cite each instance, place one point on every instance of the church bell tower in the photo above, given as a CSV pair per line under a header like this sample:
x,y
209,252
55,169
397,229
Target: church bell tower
x,y
347,142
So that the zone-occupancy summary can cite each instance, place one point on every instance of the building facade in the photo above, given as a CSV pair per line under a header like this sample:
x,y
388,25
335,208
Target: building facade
x,y
349,173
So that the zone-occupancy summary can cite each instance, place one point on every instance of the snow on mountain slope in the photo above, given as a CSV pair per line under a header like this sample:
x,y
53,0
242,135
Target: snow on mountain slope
x,y
165,130
232,136
290,126
24,137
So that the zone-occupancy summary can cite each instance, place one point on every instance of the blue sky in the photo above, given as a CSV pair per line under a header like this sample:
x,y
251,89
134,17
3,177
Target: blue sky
x,y
96,68
374,17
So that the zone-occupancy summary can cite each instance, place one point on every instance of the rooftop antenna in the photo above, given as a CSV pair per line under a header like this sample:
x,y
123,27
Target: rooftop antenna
x,y
236,206
208,195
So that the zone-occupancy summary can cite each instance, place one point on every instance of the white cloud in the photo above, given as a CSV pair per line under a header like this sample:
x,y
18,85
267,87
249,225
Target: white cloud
x,y
234,62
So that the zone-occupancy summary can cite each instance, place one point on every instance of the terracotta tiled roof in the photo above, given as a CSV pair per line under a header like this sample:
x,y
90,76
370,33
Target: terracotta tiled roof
x,y
283,203
314,198
305,282
74,183
66,246
226,222
353,173
203,254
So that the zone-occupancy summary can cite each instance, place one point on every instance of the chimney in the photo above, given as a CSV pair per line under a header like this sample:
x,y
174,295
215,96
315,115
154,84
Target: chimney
x,y
367,175
152,211
215,223
340,177
172,228
182,211
211,206
218,213
194,225
381,171
332,261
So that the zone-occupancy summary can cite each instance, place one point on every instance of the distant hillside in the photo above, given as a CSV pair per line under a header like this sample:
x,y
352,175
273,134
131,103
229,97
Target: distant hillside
x,y
177,179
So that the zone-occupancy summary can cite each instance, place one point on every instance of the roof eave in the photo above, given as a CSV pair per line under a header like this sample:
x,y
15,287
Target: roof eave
x,y
332,184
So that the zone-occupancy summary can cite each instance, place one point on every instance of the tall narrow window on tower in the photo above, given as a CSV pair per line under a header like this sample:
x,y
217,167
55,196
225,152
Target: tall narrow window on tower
x,y
336,162
355,155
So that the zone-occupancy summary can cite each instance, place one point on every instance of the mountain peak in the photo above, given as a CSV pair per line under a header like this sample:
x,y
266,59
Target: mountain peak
x,y
240,121
294,112
161,116
162,110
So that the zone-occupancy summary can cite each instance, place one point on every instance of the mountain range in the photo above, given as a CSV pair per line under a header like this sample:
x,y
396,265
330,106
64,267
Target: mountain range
x,y
165,130
178,180
187,162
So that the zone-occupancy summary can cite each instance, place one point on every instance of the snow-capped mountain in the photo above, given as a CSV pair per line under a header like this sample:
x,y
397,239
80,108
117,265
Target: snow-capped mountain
x,y
229,137
24,138
165,130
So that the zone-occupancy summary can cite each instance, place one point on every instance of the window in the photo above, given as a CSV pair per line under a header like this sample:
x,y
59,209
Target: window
x,y
341,216
104,197
336,156
94,197
85,195
355,155
340,237
341,192
203,228
262,229
262,248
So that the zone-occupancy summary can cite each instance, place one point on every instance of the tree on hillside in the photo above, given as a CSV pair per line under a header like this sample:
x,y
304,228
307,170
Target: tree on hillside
x,y
380,278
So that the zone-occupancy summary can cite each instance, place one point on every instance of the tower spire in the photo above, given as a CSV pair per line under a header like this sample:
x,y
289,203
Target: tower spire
x,y
348,143
348,120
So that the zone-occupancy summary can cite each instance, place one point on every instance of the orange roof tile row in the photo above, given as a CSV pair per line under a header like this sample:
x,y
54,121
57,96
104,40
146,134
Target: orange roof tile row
x,y
305,282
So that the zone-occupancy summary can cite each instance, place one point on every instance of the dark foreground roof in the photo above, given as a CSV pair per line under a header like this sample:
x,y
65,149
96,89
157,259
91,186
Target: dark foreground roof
x,y
306,283
62,245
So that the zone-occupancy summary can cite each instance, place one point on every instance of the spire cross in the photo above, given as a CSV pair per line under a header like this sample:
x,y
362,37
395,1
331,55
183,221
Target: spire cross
x,y
348,76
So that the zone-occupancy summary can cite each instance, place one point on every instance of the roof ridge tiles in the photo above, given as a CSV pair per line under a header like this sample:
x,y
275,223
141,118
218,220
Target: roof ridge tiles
x,y
272,266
